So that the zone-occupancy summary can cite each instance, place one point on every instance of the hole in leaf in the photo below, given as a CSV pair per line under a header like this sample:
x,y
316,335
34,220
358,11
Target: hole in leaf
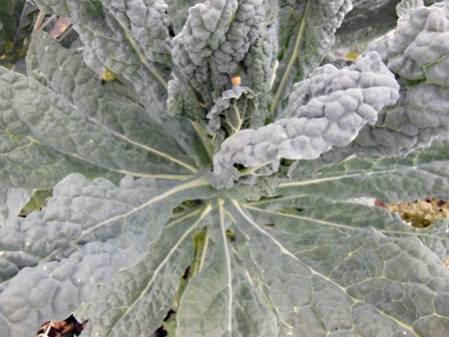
x,y
37,202
231,235
170,313
286,162
186,273
160,332
168,326
187,205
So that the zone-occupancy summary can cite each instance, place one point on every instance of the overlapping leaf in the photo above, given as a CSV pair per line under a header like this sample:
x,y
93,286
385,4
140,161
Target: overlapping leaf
x,y
307,30
367,21
315,257
420,117
231,303
65,73
178,11
86,232
417,176
27,163
116,36
139,297
235,110
417,51
330,280
39,115
328,109
222,38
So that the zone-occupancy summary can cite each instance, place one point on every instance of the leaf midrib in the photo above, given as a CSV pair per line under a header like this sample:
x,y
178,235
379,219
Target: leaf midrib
x,y
295,54
285,251
202,181
139,53
228,263
199,182
337,225
131,306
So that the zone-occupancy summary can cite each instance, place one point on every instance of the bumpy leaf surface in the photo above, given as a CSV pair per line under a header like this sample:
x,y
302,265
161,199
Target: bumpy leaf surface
x,y
148,22
326,110
220,39
416,51
87,231
420,116
302,251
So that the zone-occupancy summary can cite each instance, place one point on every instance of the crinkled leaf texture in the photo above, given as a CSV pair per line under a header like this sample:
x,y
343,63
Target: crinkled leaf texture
x,y
146,231
118,35
328,109
73,124
418,52
312,260
223,38
52,261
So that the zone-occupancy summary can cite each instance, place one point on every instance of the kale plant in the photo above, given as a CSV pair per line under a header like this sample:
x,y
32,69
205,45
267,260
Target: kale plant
x,y
228,175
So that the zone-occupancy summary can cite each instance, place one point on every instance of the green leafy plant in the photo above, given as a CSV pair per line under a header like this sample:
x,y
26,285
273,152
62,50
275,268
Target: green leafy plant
x,y
226,177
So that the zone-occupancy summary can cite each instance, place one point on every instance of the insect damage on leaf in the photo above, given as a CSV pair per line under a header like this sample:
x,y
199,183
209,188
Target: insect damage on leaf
x,y
421,213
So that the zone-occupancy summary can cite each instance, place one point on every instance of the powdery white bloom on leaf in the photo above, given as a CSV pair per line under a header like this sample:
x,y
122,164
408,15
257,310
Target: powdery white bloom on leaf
x,y
328,109
189,190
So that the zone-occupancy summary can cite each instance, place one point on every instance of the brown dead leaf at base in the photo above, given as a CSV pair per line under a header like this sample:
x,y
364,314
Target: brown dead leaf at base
x,y
69,327
420,213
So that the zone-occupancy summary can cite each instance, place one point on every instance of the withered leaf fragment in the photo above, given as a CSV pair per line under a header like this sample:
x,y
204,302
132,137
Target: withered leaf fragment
x,y
69,327
421,213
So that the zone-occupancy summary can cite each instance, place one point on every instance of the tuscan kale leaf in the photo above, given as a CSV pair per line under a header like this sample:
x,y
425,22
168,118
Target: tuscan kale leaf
x,y
225,181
